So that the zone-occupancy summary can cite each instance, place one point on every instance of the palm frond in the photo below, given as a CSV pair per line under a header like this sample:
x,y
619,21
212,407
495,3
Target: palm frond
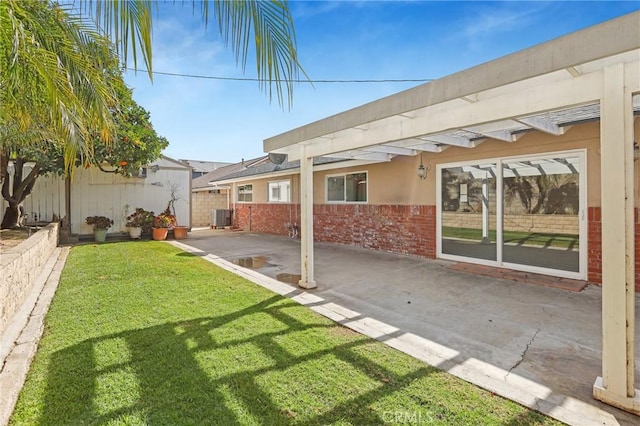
x,y
271,25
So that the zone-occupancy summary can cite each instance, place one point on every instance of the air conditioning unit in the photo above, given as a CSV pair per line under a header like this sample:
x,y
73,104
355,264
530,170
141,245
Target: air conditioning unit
x,y
220,218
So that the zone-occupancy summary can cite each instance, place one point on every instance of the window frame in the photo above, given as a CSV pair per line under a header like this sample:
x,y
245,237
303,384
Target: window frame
x,y
344,195
239,187
279,183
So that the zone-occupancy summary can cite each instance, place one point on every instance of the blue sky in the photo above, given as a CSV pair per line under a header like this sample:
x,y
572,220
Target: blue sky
x,y
215,120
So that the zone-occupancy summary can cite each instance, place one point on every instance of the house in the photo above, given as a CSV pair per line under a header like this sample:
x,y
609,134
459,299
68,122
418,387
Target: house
x,y
206,197
201,168
92,192
526,162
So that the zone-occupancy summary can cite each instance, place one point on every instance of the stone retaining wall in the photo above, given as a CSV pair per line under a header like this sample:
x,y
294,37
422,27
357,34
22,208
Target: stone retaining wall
x,y
20,266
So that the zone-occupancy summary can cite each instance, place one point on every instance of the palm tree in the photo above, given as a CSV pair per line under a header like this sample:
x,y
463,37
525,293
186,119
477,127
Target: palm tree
x,y
54,57
268,22
55,83
52,80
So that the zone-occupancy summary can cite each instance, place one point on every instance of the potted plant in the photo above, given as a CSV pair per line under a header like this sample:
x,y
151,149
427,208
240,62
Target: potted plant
x,y
160,228
138,221
180,232
100,225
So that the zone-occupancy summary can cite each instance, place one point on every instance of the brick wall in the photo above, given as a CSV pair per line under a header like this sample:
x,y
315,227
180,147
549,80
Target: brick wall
x,y
595,246
267,218
637,247
396,229
594,237
392,228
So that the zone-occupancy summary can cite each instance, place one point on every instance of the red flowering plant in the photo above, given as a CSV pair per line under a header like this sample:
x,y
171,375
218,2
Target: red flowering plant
x,y
161,221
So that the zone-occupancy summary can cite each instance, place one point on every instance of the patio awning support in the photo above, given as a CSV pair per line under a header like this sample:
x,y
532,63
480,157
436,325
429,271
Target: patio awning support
x,y
485,210
617,384
306,219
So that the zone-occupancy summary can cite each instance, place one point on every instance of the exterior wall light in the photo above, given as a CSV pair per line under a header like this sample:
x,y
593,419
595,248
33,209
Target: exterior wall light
x,y
636,151
422,170
155,168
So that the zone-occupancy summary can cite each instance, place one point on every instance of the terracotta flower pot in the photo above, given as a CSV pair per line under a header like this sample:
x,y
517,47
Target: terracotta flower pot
x,y
180,232
159,234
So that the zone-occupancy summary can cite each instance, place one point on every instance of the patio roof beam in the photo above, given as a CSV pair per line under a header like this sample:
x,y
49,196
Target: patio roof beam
x,y
604,40
501,130
362,155
439,118
419,144
449,140
546,126
395,150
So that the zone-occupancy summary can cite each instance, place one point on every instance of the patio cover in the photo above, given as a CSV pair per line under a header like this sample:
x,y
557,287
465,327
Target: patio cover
x,y
592,74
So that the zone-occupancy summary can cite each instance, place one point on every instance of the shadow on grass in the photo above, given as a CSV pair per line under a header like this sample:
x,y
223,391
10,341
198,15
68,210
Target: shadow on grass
x,y
187,254
167,384
200,371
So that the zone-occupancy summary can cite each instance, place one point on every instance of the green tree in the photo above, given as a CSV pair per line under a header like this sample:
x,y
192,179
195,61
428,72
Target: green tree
x,y
137,144
56,91
53,84
51,55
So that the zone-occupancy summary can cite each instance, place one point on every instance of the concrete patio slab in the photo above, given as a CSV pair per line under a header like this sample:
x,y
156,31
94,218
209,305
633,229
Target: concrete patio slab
x,y
537,345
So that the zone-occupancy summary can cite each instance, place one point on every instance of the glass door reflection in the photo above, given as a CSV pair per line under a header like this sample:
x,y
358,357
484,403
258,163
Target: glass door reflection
x,y
541,204
469,211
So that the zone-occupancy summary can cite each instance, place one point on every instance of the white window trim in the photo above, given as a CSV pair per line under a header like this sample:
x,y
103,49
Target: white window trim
x,y
582,273
269,200
237,193
326,188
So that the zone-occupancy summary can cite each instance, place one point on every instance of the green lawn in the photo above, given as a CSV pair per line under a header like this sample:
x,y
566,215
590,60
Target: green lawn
x,y
515,237
141,333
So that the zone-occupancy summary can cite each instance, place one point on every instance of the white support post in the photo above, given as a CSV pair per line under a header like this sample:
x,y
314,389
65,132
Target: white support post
x,y
306,220
617,384
485,209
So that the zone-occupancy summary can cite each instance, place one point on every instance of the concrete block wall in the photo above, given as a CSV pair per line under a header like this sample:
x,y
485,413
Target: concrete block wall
x,y
20,266
541,223
202,202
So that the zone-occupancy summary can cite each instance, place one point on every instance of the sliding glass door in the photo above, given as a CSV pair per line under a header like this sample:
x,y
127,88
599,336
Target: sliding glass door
x,y
468,211
541,225
524,213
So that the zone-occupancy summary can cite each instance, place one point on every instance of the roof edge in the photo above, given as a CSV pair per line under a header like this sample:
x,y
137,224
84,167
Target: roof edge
x,y
608,38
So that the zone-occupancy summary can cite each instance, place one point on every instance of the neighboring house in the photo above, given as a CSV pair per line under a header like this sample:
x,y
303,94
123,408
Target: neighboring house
x,y
525,162
95,193
201,168
206,197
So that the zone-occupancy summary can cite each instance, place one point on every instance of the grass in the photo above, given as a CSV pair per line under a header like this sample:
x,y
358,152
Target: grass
x,y
568,241
141,333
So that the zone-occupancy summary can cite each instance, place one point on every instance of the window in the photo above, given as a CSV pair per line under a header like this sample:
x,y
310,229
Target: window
x,y
245,193
279,192
347,188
